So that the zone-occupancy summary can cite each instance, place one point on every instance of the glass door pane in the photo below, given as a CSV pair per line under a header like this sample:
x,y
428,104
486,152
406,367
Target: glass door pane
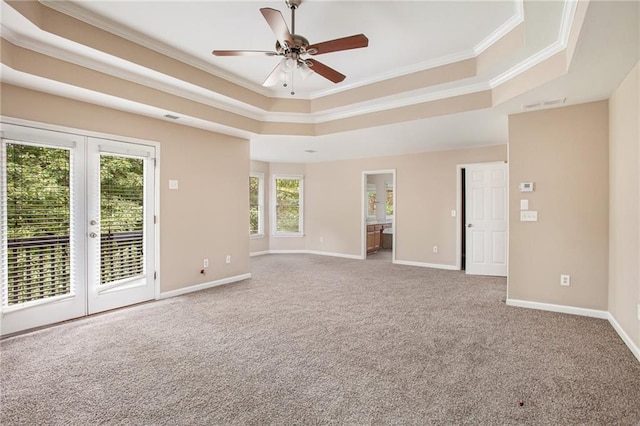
x,y
121,218
38,223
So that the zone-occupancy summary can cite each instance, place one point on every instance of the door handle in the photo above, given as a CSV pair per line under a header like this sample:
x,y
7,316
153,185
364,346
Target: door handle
x,y
469,226
93,235
93,223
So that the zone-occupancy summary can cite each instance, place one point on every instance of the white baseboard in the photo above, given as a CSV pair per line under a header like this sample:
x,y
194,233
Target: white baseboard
x,y
318,253
258,253
585,312
426,265
594,313
326,253
624,336
203,286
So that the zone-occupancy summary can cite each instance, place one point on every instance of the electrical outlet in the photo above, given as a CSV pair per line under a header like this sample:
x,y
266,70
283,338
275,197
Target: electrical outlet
x,y
435,249
228,260
321,240
205,263
565,280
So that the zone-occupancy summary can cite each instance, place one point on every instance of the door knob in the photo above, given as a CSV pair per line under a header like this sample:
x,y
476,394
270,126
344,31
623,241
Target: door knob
x,y
469,226
93,235
93,222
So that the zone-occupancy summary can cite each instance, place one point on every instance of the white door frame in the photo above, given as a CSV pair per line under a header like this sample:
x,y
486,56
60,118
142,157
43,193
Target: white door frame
x,y
32,127
364,210
459,184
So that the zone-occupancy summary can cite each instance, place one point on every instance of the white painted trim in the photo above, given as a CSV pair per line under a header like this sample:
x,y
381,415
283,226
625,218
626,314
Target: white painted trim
x,y
426,265
314,252
342,255
145,41
572,310
113,27
635,350
288,252
365,212
203,286
502,30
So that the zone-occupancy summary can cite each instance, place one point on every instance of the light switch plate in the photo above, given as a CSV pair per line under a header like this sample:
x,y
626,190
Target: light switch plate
x,y
453,213
529,216
173,184
524,204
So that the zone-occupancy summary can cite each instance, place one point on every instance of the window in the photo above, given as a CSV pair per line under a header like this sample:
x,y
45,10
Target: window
x,y
371,198
256,204
287,205
389,200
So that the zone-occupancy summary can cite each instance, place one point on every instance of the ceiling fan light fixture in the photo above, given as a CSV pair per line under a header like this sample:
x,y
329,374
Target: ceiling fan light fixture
x,y
305,70
289,64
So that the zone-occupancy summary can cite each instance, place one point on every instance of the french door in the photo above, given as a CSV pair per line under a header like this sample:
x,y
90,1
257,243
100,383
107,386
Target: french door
x,y
78,226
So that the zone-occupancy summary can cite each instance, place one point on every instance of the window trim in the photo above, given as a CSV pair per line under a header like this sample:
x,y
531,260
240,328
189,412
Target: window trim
x,y
260,177
274,207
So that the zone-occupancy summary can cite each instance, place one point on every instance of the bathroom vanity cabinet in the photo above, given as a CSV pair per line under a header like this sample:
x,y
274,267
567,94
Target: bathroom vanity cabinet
x,y
374,236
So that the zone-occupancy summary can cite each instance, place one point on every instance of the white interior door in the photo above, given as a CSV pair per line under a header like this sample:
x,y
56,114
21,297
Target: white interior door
x,y
78,234
486,219
120,224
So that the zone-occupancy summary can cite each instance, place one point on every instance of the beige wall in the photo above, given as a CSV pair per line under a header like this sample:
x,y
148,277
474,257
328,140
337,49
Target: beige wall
x,y
261,244
624,202
425,195
564,151
206,218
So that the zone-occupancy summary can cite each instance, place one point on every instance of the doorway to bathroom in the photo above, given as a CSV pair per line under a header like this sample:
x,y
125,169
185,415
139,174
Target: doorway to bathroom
x,y
378,215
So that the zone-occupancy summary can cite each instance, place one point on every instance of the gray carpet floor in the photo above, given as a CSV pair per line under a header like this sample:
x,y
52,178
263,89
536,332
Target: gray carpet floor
x,y
319,340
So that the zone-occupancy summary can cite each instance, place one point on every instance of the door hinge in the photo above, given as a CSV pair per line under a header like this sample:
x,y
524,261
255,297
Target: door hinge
x,y
155,219
154,162
155,275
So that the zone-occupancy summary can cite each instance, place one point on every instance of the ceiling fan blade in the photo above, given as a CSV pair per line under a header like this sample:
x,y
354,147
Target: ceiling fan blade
x,y
345,43
278,25
243,53
274,77
325,71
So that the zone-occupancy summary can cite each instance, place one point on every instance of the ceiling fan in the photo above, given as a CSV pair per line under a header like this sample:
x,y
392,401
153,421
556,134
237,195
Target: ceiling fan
x,y
295,49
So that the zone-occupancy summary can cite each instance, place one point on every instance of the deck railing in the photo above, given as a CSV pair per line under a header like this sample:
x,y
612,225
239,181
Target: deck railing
x,y
40,267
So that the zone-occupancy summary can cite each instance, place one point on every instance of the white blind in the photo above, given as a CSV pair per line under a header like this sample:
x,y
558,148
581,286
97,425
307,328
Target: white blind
x,y
36,244
121,218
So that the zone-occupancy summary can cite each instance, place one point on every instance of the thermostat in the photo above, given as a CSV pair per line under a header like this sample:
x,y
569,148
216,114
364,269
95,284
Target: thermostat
x,y
526,187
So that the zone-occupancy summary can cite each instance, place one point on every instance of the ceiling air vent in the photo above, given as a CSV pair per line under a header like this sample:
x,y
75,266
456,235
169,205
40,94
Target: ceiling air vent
x,y
544,104
171,117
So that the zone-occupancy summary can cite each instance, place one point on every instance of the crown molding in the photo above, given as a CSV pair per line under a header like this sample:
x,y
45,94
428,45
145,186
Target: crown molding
x,y
150,78
78,12
566,23
146,77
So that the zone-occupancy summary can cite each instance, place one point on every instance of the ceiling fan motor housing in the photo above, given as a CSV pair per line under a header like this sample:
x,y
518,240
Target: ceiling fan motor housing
x,y
293,4
300,45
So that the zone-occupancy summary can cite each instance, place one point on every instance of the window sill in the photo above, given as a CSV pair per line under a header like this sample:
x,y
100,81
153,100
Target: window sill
x,y
256,236
288,235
